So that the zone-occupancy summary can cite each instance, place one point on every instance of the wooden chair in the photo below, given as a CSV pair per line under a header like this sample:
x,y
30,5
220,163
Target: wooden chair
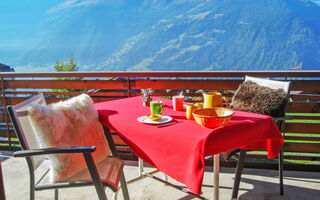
x,y
106,173
240,154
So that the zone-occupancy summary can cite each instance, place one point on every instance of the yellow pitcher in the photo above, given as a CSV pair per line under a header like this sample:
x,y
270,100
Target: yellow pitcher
x,y
213,99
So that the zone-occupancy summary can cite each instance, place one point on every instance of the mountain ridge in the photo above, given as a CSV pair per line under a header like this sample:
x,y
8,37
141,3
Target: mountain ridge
x,y
180,35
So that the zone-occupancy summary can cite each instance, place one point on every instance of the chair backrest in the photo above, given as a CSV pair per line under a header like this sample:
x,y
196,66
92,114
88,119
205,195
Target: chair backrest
x,y
273,84
22,126
285,85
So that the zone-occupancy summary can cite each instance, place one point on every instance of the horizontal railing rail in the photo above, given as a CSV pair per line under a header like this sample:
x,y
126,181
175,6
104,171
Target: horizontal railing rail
x,y
302,147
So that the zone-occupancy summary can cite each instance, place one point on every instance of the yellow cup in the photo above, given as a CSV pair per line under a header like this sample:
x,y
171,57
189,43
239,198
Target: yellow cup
x,y
189,109
213,99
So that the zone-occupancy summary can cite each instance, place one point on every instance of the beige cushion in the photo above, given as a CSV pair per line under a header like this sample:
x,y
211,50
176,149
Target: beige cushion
x,y
252,97
273,84
73,122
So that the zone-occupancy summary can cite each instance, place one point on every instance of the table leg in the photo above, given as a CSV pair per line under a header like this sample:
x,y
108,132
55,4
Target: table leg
x,y
216,167
140,163
165,177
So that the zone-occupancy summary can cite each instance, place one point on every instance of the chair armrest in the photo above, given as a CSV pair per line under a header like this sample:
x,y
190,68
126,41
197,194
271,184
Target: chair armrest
x,y
36,152
86,151
286,117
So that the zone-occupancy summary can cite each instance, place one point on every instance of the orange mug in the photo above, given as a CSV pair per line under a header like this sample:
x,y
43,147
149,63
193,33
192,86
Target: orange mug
x,y
213,99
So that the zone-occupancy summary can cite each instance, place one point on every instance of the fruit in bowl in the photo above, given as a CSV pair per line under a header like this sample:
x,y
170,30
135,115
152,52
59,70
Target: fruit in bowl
x,y
199,105
212,117
154,117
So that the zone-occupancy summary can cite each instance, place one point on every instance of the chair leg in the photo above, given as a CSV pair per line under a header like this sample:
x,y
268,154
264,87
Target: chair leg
x,y
114,152
32,190
2,193
31,178
32,193
281,171
56,194
238,173
95,176
124,188
281,127
115,195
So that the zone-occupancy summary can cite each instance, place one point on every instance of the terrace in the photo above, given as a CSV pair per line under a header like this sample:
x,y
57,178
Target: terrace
x,y
302,134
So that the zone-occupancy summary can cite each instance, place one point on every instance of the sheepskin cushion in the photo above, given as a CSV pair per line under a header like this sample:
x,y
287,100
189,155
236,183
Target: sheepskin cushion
x,y
251,97
73,122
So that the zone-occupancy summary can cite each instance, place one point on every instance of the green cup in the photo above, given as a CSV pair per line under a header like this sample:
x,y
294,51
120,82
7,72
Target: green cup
x,y
156,107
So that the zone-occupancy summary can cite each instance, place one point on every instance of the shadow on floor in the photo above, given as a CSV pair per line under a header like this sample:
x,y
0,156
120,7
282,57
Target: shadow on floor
x,y
264,190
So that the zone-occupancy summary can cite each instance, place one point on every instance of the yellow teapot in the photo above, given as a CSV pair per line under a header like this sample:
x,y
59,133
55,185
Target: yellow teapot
x,y
213,99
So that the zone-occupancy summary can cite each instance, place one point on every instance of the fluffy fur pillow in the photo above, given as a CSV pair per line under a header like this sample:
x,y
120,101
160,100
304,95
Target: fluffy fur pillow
x,y
251,97
73,122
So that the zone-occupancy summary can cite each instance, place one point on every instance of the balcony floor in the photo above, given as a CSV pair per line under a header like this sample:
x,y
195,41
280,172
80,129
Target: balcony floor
x,y
256,185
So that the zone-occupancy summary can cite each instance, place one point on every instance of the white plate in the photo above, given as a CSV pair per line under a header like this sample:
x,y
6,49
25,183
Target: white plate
x,y
145,119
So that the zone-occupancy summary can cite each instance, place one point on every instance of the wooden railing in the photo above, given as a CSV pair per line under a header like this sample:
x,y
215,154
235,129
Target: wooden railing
x,y
302,147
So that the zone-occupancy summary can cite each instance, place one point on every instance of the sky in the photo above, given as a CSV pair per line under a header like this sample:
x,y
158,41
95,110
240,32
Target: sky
x,y
26,16
19,20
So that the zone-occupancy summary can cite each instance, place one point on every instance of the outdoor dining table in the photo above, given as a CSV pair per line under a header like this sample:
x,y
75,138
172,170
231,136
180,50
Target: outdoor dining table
x,y
179,150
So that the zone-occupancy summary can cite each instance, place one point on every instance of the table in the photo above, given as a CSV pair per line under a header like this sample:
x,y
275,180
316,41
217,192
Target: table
x,y
179,150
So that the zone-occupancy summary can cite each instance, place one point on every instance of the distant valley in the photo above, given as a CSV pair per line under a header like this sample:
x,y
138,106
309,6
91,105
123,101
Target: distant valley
x,y
172,35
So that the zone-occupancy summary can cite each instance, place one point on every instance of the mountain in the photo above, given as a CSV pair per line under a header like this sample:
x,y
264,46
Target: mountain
x,y
176,35
5,68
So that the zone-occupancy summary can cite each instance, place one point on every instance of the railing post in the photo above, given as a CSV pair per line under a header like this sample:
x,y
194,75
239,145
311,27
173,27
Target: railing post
x,y
128,81
4,103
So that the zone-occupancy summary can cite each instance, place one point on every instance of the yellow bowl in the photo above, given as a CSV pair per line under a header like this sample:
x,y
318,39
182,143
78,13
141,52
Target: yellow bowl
x,y
212,117
154,117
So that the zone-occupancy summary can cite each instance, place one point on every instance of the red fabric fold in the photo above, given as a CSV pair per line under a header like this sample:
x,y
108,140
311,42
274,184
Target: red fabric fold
x,y
179,150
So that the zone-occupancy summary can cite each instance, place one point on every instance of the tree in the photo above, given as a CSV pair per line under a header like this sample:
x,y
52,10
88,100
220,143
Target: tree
x,y
66,67
70,66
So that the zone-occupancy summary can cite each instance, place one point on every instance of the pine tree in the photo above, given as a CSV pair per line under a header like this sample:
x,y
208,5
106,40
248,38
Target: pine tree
x,y
66,67
70,66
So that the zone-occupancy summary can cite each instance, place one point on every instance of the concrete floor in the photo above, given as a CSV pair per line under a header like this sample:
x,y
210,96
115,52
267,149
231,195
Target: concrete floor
x,y
256,184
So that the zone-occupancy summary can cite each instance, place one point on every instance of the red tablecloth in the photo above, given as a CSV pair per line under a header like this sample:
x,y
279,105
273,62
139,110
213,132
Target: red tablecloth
x,y
179,150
